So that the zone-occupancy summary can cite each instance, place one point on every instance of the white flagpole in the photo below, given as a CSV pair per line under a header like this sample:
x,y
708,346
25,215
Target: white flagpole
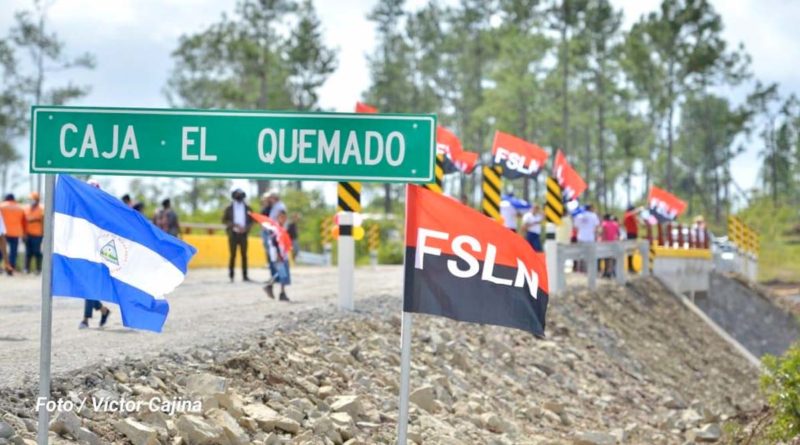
x,y
405,358
405,371
47,309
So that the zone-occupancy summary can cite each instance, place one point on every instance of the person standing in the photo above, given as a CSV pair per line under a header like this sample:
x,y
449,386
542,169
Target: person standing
x,y
586,224
532,222
238,221
89,306
14,219
510,207
294,234
609,232
166,219
34,233
276,206
3,250
699,230
278,261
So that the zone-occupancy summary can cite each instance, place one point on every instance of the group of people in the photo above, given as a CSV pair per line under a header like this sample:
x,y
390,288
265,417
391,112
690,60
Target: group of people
x,y
21,223
238,222
582,226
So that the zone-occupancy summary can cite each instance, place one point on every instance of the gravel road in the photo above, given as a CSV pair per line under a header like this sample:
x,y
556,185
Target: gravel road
x,y
205,309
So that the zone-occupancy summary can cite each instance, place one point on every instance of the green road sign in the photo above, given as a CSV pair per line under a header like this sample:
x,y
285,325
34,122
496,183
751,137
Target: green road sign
x,y
224,143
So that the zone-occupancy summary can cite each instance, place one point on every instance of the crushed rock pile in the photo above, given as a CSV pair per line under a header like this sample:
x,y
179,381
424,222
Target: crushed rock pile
x,y
621,365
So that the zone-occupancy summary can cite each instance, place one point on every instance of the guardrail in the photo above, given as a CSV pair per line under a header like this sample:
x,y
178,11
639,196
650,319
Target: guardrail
x,y
558,254
207,228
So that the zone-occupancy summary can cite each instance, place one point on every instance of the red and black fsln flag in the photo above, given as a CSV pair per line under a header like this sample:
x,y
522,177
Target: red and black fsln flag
x,y
463,265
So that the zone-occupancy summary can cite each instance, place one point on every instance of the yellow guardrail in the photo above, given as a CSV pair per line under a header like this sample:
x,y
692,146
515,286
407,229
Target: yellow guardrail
x,y
212,251
667,252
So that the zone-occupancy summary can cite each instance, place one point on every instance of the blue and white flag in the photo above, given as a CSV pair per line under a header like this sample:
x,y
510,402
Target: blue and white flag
x,y
103,250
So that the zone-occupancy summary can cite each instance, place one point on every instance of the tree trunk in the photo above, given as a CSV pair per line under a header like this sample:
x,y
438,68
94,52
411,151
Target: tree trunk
x,y
601,140
565,77
588,164
387,198
194,195
262,185
670,114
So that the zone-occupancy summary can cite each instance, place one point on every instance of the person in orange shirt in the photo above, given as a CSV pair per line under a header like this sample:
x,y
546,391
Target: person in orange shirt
x,y
3,251
14,219
34,231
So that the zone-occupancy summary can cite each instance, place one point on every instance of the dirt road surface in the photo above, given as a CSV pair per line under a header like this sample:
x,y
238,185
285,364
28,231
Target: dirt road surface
x,y
205,309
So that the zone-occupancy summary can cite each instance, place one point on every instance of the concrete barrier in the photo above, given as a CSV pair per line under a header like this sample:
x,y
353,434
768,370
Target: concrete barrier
x,y
684,271
557,255
212,251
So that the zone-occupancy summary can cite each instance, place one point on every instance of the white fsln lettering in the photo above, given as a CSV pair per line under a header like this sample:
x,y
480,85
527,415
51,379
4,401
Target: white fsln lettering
x,y
422,236
458,250
488,267
464,247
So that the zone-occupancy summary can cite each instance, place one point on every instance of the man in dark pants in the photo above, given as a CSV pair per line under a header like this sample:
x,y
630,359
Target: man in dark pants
x,y
237,222
631,228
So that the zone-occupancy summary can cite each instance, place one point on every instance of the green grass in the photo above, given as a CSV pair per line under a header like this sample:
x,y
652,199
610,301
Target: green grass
x,y
779,256
779,260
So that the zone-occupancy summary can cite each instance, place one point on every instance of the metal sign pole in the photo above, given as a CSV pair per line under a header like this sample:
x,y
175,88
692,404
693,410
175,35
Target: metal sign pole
x,y
347,258
47,310
405,371
405,357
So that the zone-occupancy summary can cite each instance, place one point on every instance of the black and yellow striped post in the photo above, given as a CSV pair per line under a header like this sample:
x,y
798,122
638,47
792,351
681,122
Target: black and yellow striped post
x,y
554,202
349,197
438,175
373,238
651,259
326,236
373,242
326,230
492,184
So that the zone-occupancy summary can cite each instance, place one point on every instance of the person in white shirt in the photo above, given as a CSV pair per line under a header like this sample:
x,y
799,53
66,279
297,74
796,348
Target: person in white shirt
x,y
276,206
509,215
532,222
586,223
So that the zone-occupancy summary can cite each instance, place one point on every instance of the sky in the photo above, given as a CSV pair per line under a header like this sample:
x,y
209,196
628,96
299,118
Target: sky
x,y
132,41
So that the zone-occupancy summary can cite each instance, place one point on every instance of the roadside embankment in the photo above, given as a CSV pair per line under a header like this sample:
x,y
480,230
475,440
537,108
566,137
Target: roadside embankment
x,y
619,365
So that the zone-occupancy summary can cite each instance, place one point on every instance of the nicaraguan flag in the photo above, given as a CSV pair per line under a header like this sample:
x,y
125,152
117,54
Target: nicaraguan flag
x,y
103,250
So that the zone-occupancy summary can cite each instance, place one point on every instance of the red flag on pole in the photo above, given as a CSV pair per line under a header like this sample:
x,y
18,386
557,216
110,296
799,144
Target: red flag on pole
x,y
284,240
462,265
448,144
364,108
664,205
465,161
572,185
517,156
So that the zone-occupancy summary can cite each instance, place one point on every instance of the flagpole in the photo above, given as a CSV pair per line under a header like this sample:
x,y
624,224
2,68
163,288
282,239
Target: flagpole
x,y
47,310
405,357
405,371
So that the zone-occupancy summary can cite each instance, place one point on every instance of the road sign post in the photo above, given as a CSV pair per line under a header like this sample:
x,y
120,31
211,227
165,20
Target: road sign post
x,y
347,254
228,144
234,144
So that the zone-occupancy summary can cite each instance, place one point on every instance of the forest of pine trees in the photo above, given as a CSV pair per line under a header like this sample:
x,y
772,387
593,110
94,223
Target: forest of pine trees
x,y
629,105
